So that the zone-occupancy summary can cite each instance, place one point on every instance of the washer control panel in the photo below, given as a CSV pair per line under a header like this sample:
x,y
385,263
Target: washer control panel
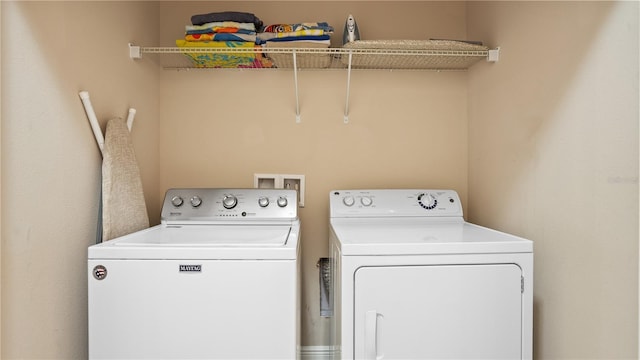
x,y
394,203
207,204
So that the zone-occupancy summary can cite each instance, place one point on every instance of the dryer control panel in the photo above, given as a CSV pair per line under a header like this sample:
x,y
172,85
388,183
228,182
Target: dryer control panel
x,y
394,203
215,205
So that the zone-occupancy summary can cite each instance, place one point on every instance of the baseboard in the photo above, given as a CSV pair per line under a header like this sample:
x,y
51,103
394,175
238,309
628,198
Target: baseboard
x,y
317,352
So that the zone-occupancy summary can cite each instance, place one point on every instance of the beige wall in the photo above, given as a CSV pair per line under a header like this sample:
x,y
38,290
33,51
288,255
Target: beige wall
x,y
50,161
402,134
0,186
407,128
538,144
376,20
553,156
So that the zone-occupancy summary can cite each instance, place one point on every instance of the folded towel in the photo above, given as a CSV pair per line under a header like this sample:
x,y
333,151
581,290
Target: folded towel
x,y
301,26
227,16
317,44
216,44
123,207
249,59
223,24
221,37
265,36
299,38
278,28
230,30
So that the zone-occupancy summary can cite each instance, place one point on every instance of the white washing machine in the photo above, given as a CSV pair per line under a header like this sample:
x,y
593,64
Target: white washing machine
x,y
217,279
412,280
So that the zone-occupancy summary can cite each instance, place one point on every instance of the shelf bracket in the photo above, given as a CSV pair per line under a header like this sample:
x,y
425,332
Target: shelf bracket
x,y
295,80
134,51
493,55
346,106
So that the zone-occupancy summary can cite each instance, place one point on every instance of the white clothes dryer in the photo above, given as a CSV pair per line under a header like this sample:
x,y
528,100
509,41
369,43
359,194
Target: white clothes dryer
x,y
217,279
411,279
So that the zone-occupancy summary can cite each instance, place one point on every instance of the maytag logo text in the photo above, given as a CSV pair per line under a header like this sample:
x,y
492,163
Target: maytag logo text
x,y
190,268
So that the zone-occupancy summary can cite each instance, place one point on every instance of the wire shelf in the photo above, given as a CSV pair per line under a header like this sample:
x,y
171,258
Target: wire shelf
x,y
385,54
322,58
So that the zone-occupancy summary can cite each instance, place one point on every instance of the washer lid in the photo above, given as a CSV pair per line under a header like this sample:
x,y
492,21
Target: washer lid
x,y
204,242
414,237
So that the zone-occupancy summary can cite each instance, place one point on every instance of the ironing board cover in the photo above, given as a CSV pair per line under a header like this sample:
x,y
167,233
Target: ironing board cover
x,y
124,210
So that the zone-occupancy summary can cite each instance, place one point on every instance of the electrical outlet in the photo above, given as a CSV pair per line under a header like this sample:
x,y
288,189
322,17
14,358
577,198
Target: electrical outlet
x,y
280,181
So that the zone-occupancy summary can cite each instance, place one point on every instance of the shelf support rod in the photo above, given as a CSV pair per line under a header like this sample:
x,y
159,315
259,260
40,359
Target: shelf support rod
x,y
295,80
346,107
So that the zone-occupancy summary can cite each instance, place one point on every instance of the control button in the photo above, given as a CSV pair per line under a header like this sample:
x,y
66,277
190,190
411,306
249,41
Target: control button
x,y
229,201
282,201
366,201
195,201
177,201
348,200
263,201
427,201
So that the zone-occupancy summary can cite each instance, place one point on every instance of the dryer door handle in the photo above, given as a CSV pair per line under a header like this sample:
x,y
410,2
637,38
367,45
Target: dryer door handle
x,y
372,334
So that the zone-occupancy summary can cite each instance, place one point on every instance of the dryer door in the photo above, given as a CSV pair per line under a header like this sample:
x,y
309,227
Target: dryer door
x,y
438,312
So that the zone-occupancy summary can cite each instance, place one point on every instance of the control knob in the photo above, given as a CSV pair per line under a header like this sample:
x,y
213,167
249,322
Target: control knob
x,y
366,201
427,201
348,200
263,201
177,201
195,201
282,201
229,201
